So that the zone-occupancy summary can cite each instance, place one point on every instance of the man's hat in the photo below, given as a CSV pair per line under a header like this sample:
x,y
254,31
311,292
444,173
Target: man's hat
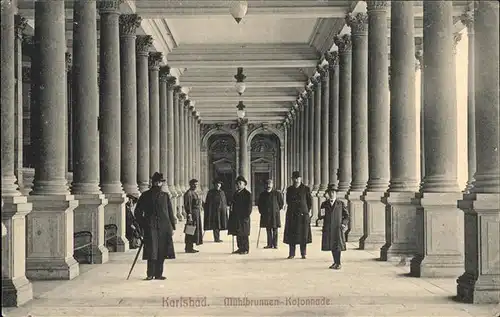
x,y
134,197
296,174
242,179
331,188
267,181
218,181
194,180
157,177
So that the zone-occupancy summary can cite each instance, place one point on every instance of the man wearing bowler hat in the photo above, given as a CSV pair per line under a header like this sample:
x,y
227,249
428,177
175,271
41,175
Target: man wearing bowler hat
x,y
298,222
239,217
215,210
270,204
155,215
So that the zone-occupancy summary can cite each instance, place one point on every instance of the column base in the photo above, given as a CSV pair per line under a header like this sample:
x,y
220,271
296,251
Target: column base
x,y
315,206
439,252
16,292
89,216
400,227
143,187
49,249
356,212
319,200
480,284
114,213
131,189
374,222
180,208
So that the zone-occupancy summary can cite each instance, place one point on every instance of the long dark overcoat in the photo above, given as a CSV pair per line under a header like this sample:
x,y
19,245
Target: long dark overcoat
x,y
297,221
239,216
192,206
215,210
270,204
155,215
336,215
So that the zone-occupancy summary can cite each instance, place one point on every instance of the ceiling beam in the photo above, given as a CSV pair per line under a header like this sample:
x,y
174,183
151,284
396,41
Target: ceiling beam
x,y
243,63
248,109
245,99
230,84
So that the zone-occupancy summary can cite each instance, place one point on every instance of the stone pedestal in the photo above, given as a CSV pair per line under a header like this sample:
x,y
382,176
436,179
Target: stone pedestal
x,y
480,284
115,214
356,210
400,227
49,230
374,222
440,246
89,216
16,289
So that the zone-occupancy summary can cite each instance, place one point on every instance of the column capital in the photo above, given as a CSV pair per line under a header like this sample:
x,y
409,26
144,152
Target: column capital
x,y
69,60
332,59
182,96
164,73
467,19
380,6
154,60
343,43
129,24
308,89
171,80
178,90
143,43
109,6
316,81
242,122
20,23
358,23
457,37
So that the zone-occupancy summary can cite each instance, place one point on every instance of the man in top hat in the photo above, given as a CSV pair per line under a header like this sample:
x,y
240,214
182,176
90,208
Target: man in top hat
x,y
192,206
155,215
298,221
335,217
270,204
215,210
239,216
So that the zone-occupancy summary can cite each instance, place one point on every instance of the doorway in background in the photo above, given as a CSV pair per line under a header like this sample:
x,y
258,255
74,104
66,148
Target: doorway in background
x,y
258,184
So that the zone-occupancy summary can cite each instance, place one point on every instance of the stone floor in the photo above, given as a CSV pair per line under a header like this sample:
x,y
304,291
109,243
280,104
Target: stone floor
x,y
273,286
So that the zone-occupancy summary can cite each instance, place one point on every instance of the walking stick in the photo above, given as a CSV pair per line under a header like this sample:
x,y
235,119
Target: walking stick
x,y
233,243
258,237
135,260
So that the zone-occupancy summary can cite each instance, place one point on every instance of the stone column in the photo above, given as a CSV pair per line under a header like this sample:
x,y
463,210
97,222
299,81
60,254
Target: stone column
x,y
378,127
128,76
89,215
16,289
20,25
284,157
182,144
177,152
400,219
170,138
333,118
185,131
345,61
154,60
298,134
440,187
110,118
51,222
189,135
468,19
480,284
303,129
69,124
325,118
243,168
142,44
163,125
317,149
419,56
310,137
359,119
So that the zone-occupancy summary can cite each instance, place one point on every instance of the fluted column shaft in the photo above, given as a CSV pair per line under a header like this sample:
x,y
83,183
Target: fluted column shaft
x,y
154,112
143,43
316,120
303,123
170,135
401,222
243,170
20,25
128,76
163,125
345,71
480,284
325,118
333,119
177,141
182,143
440,186
311,108
187,142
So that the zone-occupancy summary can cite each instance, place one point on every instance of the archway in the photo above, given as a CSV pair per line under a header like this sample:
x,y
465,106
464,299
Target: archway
x,y
265,162
222,161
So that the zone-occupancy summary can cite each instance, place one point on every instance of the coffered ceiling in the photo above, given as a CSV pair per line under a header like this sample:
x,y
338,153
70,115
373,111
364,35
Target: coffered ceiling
x,y
278,44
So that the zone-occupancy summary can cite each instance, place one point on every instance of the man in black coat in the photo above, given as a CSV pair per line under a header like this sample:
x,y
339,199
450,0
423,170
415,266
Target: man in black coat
x,y
192,205
155,215
335,217
270,204
239,216
215,210
298,220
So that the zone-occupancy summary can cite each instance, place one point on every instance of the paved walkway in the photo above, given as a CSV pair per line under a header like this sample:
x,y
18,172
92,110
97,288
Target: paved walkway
x,y
269,284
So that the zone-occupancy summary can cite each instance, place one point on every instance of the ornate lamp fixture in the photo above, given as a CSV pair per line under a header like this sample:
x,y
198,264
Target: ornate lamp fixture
x,y
238,10
241,110
240,85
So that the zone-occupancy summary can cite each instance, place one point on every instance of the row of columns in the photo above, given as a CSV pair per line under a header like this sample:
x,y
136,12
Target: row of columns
x,y
371,145
129,120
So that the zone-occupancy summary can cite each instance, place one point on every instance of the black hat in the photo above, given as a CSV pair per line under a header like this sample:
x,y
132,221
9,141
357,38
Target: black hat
x,y
241,178
218,181
134,197
157,177
296,174
331,188
194,180
267,181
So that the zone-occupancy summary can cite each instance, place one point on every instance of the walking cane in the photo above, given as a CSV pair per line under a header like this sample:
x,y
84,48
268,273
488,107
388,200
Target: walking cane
x,y
233,244
135,260
258,237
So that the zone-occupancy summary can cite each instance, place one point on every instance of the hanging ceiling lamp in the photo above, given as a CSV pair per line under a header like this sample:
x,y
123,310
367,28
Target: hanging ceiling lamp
x,y
241,110
240,85
238,10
